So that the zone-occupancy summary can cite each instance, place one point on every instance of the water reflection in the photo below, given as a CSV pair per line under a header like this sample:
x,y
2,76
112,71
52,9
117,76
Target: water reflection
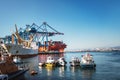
x,y
43,57
50,70
87,73
74,69
62,71
40,69
84,74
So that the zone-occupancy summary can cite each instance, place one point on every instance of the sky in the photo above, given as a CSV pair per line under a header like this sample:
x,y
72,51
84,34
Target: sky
x,y
85,23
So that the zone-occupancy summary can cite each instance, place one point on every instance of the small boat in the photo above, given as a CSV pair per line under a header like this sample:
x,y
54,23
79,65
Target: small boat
x,y
61,62
17,60
50,62
3,77
33,72
75,61
87,61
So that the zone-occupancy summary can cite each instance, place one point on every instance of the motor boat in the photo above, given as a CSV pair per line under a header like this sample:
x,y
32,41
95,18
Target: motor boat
x,y
61,62
50,62
75,61
33,72
87,61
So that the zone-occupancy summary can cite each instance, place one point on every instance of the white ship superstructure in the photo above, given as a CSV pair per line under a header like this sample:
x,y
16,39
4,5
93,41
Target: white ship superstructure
x,y
20,46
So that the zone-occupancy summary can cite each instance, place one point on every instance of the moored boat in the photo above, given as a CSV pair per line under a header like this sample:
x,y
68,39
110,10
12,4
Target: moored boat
x,y
75,61
50,62
87,61
61,62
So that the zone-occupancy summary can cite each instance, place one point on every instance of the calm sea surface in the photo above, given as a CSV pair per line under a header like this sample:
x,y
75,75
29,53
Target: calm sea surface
x,y
107,68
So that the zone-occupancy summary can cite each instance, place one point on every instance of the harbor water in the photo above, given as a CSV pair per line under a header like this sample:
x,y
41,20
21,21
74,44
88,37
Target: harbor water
x,y
107,68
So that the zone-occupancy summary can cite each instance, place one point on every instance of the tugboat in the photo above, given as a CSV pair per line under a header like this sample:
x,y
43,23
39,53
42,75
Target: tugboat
x,y
50,62
87,61
75,61
61,62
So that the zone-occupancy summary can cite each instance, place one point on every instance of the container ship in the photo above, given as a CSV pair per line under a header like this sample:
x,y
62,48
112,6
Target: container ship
x,y
53,46
34,39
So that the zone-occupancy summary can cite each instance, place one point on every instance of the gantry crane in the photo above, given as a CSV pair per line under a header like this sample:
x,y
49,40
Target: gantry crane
x,y
40,33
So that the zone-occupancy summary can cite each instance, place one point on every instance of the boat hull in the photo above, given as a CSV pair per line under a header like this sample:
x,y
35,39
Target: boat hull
x,y
15,49
55,46
50,64
87,66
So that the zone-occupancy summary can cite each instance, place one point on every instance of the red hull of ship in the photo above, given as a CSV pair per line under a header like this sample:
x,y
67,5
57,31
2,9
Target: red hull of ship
x,y
54,46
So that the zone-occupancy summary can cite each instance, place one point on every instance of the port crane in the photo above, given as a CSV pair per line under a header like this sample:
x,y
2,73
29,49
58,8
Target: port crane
x,y
43,30
40,33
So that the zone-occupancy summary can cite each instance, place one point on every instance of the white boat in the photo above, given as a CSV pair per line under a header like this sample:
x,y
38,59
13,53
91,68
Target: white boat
x,y
75,61
17,59
87,61
61,62
50,62
3,77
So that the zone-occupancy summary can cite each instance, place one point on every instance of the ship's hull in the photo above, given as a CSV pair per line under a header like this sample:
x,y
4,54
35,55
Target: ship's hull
x,y
50,64
88,66
59,47
56,46
15,49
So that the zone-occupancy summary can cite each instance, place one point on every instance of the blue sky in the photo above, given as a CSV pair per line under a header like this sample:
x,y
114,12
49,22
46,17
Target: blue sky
x,y
85,23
